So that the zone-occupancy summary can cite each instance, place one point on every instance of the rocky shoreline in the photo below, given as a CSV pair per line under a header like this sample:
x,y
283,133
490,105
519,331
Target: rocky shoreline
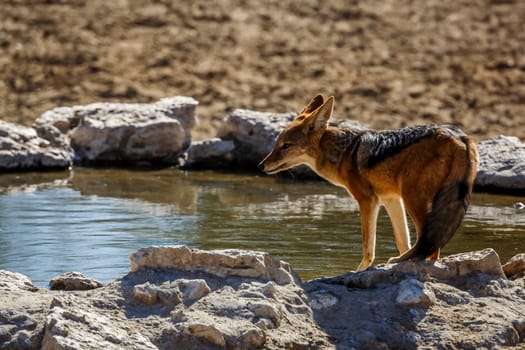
x,y
159,134
176,297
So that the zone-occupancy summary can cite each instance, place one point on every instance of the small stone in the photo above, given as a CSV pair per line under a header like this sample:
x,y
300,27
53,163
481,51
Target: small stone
x,y
193,289
264,310
73,281
146,293
206,332
413,293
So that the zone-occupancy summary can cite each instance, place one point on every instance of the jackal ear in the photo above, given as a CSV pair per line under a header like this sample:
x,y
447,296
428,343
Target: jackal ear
x,y
321,115
314,103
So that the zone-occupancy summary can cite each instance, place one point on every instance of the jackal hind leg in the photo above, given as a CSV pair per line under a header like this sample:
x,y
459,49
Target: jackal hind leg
x,y
417,208
396,211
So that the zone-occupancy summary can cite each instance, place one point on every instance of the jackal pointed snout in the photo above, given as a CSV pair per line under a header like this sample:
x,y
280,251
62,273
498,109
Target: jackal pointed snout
x,y
260,166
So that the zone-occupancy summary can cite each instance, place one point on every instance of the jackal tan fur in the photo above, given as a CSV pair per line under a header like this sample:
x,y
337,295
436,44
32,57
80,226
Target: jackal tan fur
x,y
428,171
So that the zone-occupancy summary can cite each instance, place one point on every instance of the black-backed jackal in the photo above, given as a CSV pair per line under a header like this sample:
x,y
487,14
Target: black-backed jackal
x,y
428,171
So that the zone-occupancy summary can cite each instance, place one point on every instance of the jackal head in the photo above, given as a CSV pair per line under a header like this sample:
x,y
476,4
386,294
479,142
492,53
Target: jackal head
x,y
299,142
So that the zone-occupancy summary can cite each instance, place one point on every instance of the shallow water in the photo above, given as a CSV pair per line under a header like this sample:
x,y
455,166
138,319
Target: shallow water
x,y
90,220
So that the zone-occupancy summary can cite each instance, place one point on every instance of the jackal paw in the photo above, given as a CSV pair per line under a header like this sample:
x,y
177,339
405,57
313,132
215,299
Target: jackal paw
x,y
394,260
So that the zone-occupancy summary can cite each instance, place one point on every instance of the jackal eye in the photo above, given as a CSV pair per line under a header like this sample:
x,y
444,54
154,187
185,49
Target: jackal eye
x,y
285,145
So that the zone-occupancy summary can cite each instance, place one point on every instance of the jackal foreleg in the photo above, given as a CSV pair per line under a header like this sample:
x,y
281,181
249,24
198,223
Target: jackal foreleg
x,y
369,209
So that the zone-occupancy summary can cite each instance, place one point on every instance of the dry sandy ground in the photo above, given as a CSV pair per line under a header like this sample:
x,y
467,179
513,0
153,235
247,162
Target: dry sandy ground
x,y
389,63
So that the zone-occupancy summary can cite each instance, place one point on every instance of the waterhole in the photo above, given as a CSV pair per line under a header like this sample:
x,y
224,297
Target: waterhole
x,y
90,220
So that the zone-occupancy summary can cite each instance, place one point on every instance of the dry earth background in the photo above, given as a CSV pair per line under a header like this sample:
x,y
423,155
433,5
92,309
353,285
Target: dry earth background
x,y
389,63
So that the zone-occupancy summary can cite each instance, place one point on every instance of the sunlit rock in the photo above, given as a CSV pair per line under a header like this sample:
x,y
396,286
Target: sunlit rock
x,y
72,323
193,289
253,132
231,262
123,132
501,163
21,148
195,299
23,309
412,292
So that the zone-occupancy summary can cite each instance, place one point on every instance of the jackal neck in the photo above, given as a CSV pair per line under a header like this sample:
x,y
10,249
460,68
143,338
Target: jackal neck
x,y
336,142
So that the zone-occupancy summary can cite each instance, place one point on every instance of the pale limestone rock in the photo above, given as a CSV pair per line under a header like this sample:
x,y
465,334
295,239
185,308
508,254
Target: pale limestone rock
x,y
73,281
266,310
413,293
206,332
122,132
459,301
222,263
193,289
21,148
22,312
210,154
13,280
501,163
486,261
73,324
146,293
253,132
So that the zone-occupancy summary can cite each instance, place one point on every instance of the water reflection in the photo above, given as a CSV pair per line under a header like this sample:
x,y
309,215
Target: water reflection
x,y
89,220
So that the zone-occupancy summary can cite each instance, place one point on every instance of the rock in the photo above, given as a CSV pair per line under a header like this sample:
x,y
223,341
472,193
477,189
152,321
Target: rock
x,y
180,302
515,267
15,281
501,163
146,293
73,324
22,312
73,281
122,133
21,148
462,301
208,333
253,133
450,268
412,292
217,262
486,261
210,154
193,289
170,293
